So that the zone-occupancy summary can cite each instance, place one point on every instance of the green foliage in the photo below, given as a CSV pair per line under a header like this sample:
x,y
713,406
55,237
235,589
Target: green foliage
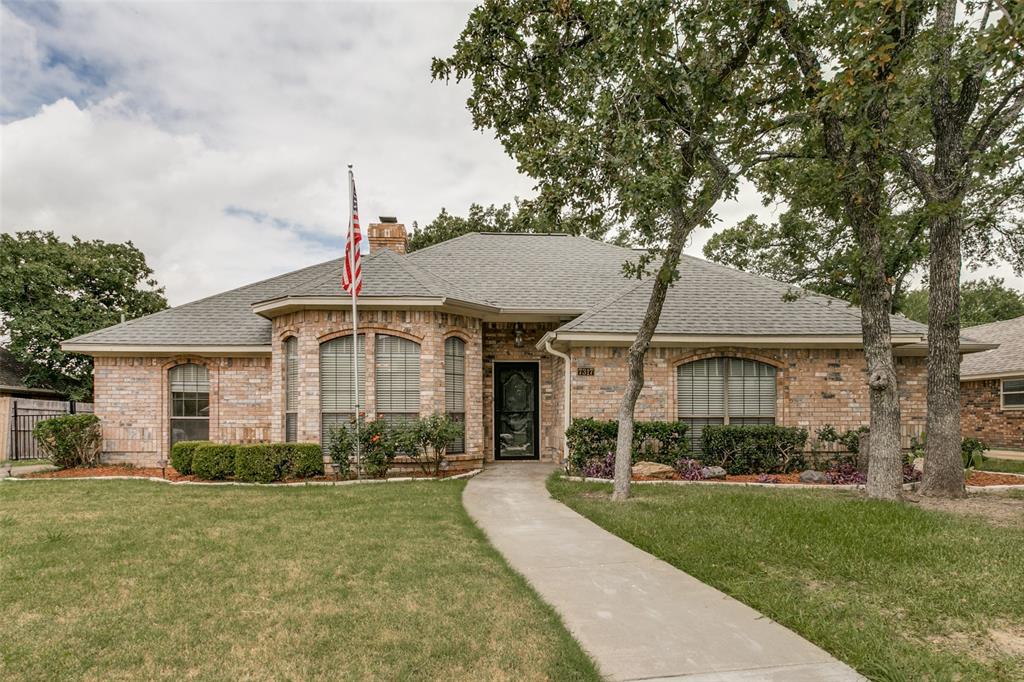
x,y
753,449
426,440
214,462
526,216
378,446
341,447
51,290
259,463
302,460
981,302
973,453
653,441
182,453
850,439
70,440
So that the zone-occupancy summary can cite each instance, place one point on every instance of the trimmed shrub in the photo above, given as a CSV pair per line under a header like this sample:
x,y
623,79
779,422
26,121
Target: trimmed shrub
x,y
259,463
341,447
753,449
302,460
214,462
70,440
427,439
182,453
653,441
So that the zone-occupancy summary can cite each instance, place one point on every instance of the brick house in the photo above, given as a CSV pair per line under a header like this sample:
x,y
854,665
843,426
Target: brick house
x,y
992,386
512,334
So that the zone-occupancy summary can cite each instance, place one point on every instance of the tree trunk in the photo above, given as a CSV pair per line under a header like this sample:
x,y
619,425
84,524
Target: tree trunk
x,y
944,470
681,229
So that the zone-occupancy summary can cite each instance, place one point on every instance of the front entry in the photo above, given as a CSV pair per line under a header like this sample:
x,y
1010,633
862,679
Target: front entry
x,y
516,410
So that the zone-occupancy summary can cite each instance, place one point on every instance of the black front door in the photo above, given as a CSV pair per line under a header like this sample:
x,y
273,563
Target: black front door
x,y
516,411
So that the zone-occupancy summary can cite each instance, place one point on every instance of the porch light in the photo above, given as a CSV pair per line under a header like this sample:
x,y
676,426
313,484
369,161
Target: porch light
x,y
518,328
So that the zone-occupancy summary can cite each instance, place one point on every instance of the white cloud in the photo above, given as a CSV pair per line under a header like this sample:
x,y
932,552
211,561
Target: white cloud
x,y
215,135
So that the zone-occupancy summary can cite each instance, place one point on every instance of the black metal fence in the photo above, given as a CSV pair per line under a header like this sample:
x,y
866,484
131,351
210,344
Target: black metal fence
x,y
22,444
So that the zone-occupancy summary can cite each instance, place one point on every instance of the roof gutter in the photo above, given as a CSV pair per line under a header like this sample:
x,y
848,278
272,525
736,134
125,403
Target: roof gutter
x,y
567,392
102,349
699,340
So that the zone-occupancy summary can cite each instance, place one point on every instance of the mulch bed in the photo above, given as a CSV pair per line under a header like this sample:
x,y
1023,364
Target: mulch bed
x,y
984,478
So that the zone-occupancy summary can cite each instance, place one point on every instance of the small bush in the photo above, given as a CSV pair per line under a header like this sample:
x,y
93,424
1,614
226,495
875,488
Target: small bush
x,y
70,440
845,473
302,460
600,467
182,453
427,439
753,449
214,462
653,441
259,463
973,452
377,447
690,469
341,447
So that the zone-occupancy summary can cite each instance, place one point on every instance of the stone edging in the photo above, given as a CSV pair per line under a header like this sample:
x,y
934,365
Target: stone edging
x,y
804,486
403,479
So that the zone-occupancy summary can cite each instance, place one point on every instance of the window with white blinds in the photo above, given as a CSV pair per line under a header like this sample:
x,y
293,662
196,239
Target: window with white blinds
x,y
190,402
455,387
724,391
397,378
336,405
291,389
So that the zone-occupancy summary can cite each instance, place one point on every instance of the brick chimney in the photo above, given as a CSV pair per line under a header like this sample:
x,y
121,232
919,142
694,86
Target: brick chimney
x,y
387,234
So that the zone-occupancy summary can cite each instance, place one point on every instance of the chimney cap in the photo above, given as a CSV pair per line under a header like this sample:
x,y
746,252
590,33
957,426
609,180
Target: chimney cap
x,y
388,219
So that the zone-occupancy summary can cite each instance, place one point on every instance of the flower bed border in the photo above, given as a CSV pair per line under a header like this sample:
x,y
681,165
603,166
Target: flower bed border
x,y
910,487
397,479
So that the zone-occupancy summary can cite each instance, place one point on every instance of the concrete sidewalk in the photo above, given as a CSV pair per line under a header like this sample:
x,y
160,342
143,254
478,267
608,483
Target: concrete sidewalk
x,y
637,616
6,469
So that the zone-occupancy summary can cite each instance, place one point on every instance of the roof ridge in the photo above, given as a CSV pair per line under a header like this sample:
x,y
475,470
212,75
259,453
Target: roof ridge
x,y
1019,318
446,241
307,282
407,264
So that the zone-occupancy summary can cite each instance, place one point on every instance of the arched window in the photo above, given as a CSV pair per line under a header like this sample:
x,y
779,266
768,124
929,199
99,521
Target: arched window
x,y
397,378
724,391
455,387
291,389
190,402
336,378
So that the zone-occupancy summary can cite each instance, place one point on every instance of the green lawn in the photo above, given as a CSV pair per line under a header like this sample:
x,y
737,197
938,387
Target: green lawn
x,y
897,592
1008,466
124,580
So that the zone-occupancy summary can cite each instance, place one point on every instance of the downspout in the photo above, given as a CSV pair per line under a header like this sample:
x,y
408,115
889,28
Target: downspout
x,y
566,401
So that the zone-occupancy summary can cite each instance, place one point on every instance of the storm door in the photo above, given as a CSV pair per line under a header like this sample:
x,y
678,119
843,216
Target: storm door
x,y
516,411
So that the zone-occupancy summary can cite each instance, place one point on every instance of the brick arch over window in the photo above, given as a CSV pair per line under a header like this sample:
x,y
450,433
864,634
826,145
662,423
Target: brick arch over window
x,y
724,389
330,336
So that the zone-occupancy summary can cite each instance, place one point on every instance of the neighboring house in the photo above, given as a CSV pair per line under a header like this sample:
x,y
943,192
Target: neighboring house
x,y
511,334
33,403
992,385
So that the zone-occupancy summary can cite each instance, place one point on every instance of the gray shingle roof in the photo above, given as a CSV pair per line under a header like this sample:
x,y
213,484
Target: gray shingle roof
x,y
515,272
713,299
1007,359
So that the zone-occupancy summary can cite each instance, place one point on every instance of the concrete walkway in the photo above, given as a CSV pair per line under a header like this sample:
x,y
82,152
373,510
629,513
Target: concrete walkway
x,y
637,616
6,469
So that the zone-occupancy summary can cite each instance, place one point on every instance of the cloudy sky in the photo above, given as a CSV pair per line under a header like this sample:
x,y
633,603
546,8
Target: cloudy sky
x,y
215,136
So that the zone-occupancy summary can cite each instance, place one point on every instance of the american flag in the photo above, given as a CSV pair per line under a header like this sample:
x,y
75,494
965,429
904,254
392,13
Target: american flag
x,y
353,272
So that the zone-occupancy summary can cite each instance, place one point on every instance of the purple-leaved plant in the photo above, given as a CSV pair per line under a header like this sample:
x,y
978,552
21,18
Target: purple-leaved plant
x,y
689,469
767,478
845,474
600,467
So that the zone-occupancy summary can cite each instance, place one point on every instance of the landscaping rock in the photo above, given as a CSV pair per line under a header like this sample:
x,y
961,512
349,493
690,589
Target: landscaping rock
x,y
711,473
812,476
919,465
653,470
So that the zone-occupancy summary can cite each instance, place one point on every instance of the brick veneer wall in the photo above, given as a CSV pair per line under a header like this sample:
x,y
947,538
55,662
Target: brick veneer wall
x,y
814,386
131,399
982,415
427,328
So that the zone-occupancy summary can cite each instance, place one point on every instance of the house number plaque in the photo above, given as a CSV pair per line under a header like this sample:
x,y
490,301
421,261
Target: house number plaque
x,y
584,371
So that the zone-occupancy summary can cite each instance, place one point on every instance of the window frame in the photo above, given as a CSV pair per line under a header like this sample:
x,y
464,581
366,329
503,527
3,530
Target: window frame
x,y
291,392
727,375
390,415
172,402
1003,393
341,417
458,445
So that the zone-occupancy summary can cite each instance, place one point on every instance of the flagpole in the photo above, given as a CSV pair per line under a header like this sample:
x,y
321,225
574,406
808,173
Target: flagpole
x,y
355,319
